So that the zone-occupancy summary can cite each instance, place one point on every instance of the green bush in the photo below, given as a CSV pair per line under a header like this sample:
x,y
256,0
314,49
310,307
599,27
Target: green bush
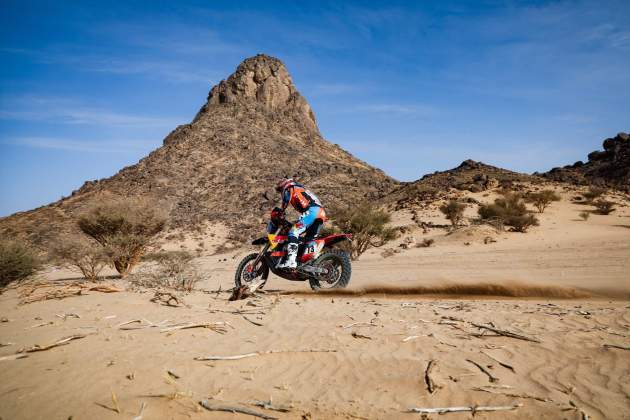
x,y
174,269
124,230
454,211
17,262
509,211
584,215
367,224
604,206
542,199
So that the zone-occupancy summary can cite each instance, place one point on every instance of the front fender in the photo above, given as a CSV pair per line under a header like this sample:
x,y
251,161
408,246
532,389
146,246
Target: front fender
x,y
260,241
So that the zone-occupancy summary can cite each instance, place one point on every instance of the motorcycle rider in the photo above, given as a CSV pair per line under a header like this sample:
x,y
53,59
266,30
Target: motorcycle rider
x,y
310,208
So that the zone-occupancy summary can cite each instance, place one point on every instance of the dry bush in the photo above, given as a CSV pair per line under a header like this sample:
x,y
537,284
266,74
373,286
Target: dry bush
x,y
454,211
80,255
604,206
17,262
124,229
173,269
509,211
594,193
584,215
542,199
367,224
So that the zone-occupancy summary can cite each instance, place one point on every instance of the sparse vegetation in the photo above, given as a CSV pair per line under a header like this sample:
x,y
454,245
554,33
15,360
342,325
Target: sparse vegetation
x,y
584,215
83,256
593,193
604,206
425,243
509,211
17,262
174,269
542,199
368,226
454,211
124,230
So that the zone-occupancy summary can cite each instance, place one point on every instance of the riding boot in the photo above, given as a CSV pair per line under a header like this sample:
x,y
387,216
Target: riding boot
x,y
290,261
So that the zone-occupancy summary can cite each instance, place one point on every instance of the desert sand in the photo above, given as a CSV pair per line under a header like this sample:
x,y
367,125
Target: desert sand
x,y
563,288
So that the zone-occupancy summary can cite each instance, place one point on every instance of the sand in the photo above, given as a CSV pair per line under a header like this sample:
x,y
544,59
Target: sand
x,y
565,284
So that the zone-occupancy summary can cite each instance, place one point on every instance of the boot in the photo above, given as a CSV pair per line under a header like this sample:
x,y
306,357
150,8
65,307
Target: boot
x,y
290,261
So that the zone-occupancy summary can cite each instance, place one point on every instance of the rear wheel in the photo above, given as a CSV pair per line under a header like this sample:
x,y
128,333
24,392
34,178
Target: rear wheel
x,y
246,273
338,270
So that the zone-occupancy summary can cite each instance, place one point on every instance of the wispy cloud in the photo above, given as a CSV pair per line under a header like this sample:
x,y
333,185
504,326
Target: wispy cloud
x,y
66,111
93,146
336,88
395,109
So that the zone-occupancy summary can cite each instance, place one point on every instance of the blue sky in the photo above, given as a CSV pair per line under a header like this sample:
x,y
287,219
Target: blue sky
x,y
88,87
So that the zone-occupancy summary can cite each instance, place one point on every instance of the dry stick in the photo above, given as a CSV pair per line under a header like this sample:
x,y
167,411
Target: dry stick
x,y
615,346
258,324
506,333
484,370
268,405
142,407
261,353
431,386
505,365
13,356
473,409
234,409
513,395
61,342
216,327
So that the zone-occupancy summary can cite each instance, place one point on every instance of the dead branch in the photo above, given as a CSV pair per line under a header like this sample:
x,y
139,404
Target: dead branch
x,y
472,409
260,353
105,288
268,405
172,374
167,299
61,342
13,356
505,365
615,346
431,386
234,409
484,370
506,333
258,324
216,327
512,394
239,293
357,335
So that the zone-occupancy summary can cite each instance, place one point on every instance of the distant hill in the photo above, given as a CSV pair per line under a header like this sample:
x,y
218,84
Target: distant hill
x,y
468,176
610,167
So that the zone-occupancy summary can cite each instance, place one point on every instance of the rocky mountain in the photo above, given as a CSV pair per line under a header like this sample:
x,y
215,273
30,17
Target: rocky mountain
x,y
254,128
610,167
468,176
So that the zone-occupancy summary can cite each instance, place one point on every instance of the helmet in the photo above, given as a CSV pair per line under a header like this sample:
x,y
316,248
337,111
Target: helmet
x,y
284,183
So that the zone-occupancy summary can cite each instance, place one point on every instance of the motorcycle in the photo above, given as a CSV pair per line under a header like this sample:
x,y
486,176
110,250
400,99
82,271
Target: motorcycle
x,y
323,266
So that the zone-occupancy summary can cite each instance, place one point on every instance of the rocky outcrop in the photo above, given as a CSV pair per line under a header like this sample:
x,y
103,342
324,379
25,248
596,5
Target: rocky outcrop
x,y
221,168
609,167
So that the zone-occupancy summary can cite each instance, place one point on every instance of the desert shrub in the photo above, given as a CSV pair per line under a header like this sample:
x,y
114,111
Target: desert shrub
x,y
124,229
173,269
509,211
584,215
604,206
454,211
85,257
17,262
542,199
367,224
594,193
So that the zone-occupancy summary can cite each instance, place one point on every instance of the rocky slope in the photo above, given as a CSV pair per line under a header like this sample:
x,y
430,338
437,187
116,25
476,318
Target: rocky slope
x,y
221,168
610,167
468,176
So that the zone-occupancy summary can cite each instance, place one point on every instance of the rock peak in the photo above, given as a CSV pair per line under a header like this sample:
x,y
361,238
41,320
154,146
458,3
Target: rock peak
x,y
263,81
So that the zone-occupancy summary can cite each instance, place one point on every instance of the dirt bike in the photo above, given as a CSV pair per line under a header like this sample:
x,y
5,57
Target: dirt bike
x,y
323,266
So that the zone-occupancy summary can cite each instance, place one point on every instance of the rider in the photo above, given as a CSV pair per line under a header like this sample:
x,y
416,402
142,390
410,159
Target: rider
x,y
310,208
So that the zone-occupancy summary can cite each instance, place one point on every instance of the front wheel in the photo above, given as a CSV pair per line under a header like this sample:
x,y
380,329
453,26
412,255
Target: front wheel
x,y
338,270
246,273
